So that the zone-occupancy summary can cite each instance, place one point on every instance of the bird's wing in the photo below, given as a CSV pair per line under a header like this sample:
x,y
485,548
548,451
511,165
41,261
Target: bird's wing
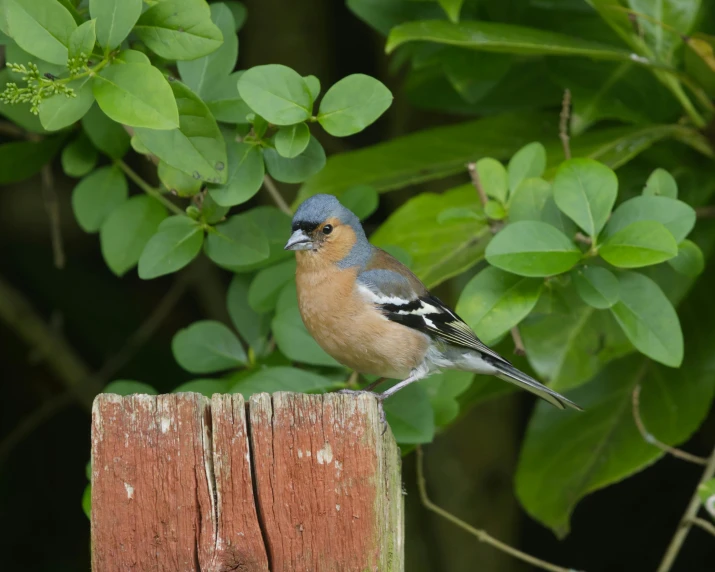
x,y
401,297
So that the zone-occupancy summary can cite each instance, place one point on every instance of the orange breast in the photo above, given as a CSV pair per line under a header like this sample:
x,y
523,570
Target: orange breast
x,y
354,333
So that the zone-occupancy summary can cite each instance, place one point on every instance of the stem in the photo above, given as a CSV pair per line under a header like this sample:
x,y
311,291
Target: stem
x,y
649,438
49,196
704,524
61,358
674,86
564,123
519,348
148,189
687,521
705,212
276,195
482,535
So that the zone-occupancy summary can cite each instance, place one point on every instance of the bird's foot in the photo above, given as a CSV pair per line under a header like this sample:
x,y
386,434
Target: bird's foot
x,y
380,399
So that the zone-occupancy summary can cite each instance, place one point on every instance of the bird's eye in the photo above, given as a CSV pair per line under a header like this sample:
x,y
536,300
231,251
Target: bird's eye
x,y
327,229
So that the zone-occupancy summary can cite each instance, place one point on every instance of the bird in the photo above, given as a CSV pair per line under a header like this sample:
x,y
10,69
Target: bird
x,y
372,314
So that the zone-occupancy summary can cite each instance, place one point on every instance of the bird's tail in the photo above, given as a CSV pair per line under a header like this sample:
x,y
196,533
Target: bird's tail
x,y
520,379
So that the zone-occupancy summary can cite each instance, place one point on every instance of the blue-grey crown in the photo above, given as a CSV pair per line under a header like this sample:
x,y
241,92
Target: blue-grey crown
x,y
319,208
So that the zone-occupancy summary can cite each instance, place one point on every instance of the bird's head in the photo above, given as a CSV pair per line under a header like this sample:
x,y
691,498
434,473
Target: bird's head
x,y
329,232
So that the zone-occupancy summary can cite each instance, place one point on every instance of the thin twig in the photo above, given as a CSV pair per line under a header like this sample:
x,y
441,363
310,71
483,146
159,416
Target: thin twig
x,y
519,348
472,168
482,535
705,212
33,421
52,206
148,189
144,332
352,381
649,438
687,521
564,123
704,524
10,129
276,195
60,357
583,239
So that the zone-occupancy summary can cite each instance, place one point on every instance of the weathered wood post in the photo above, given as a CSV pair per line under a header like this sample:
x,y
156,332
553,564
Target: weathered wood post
x,y
286,482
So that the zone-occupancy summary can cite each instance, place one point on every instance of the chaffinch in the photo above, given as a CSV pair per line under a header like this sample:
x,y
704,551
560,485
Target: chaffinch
x,y
372,314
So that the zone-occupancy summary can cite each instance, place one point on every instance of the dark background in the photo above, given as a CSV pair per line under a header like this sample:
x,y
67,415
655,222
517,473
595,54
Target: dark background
x,y
469,469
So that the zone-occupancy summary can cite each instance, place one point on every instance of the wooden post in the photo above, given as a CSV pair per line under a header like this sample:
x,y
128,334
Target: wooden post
x,y
285,482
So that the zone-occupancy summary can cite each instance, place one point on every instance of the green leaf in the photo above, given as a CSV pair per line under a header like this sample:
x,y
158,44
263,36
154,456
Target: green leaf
x,y
137,95
200,74
664,23
597,286
443,389
40,27
585,191
178,182
661,184
277,93
529,200
238,241
79,157
493,178
493,302
96,196
106,135
272,379
115,19
438,250
531,248
296,170
223,100
675,215
87,501
452,8
291,141
176,243
60,111
495,210
206,387
275,225
132,57
127,230
706,492
529,161
197,146
690,260
459,65
648,319
179,29
82,40
313,84
22,159
292,338
352,104
245,174
268,284
207,347
361,200
499,37
410,416
211,212
252,326
129,387
239,12
642,243
425,155
571,344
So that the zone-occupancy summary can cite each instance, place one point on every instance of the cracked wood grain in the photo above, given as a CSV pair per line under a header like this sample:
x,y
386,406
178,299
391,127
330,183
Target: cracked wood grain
x,y
293,482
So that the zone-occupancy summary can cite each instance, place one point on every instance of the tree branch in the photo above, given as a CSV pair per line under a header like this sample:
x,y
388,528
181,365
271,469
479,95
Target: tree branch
x,y
49,197
704,524
19,316
148,189
482,535
649,438
564,123
276,195
687,521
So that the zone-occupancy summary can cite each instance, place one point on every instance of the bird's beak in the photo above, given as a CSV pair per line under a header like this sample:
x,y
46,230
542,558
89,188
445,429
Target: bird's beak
x,y
299,241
